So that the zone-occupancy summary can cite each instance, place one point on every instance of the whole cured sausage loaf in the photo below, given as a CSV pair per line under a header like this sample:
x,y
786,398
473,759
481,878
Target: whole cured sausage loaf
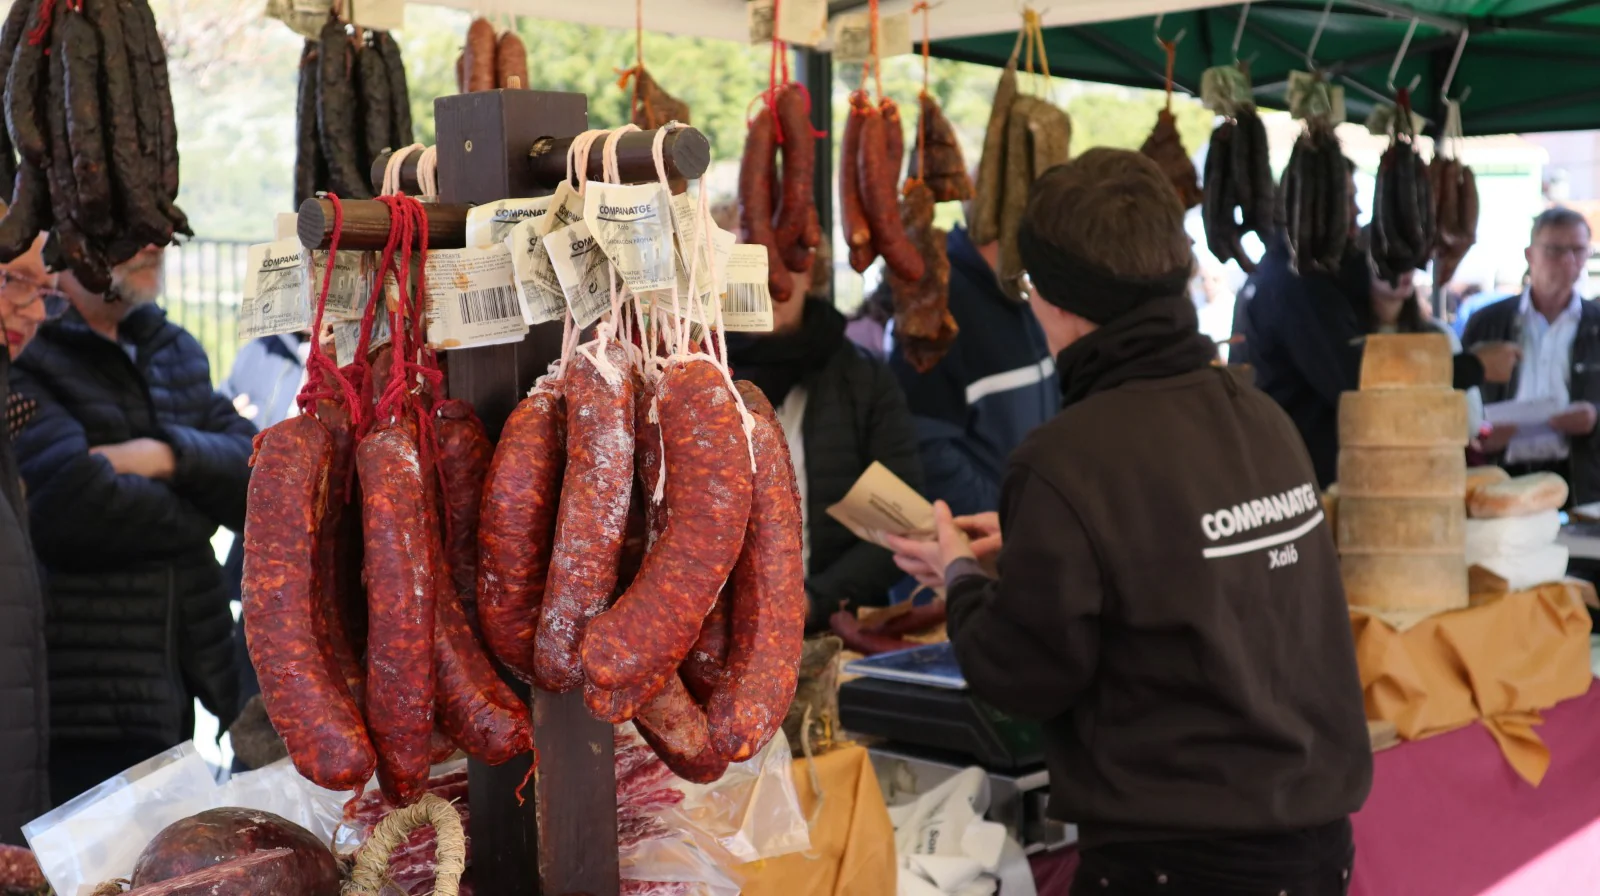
x,y
595,493
310,708
217,835
464,456
757,183
799,166
269,871
707,456
703,668
879,198
479,56
675,727
517,527
768,608
400,609
511,62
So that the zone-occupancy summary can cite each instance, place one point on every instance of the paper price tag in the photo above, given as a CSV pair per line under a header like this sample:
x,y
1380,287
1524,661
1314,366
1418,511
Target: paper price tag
x,y
492,222
349,287
803,22
758,13
583,270
852,37
285,226
747,303
274,299
538,287
633,226
566,209
347,338
304,17
379,15
472,299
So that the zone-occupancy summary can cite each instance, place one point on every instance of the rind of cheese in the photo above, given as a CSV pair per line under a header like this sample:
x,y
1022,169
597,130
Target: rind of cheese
x,y
1403,418
1406,361
1401,525
1524,495
1402,472
1423,582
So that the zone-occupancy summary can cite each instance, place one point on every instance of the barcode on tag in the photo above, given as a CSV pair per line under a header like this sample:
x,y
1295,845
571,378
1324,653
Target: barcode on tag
x,y
747,298
747,305
494,303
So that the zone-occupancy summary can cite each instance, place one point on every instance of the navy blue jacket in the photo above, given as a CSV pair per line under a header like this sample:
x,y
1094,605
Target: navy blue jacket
x,y
138,621
996,384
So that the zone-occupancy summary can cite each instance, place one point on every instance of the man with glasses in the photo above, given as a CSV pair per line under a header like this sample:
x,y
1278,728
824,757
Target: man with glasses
x,y
1559,334
131,460
27,297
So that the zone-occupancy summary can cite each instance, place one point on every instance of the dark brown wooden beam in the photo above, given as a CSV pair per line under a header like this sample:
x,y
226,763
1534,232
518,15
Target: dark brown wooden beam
x,y
366,224
686,152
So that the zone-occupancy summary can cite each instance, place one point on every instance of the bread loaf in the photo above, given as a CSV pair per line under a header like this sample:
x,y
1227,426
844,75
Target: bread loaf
x,y
1406,361
1403,418
1405,582
1401,525
1402,472
1521,496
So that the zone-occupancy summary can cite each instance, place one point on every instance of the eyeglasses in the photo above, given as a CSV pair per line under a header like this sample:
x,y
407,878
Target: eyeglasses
x,y
1581,253
20,292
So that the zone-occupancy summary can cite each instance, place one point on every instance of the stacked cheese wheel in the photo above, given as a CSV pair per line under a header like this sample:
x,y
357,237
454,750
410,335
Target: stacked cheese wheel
x,y
1402,471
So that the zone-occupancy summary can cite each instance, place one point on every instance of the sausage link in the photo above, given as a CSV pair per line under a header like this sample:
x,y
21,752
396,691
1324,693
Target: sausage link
x,y
675,727
595,490
621,705
517,527
24,85
311,709
881,203
308,150
707,456
16,22
400,609
153,225
132,171
332,532
703,668
399,93
376,116
511,62
337,116
848,627
799,166
894,136
167,131
464,456
480,56
87,141
28,213
767,611
757,183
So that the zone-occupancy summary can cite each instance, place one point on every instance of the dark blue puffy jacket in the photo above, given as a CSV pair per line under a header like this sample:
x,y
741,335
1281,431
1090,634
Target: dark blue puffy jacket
x,y
137,617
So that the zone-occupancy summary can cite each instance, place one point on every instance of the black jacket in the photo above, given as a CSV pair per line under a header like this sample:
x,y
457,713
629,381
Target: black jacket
x,y
1169,602
1502,321
855,414
24,707
989,391
138,620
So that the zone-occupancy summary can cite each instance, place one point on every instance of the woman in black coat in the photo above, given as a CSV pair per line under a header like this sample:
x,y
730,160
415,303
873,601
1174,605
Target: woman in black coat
x,y
841,410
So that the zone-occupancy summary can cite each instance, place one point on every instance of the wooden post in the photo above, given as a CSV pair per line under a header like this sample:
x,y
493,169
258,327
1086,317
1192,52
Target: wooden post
x,y
563,839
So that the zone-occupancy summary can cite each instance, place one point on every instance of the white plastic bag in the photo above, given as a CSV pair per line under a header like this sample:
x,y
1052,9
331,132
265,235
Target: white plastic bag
x,y
946,847
753,812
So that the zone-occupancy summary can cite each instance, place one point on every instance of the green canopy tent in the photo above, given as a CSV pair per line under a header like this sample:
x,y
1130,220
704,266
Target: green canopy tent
x,y
1530,65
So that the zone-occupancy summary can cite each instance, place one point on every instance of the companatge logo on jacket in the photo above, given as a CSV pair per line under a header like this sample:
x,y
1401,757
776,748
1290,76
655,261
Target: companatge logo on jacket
x,y
1229,523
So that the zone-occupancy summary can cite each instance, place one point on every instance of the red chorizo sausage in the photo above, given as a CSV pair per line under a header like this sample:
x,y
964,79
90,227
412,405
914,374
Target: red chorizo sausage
x,y
757,182
703,668
624,704
675,727
332,533
311,708
881,202
396,518
894,136
595,492
767,612
517,525
848,627
799,168
479,56
464,455
707,456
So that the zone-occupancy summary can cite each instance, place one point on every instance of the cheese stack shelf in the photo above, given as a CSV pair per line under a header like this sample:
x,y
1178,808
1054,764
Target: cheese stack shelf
x,y
1401,522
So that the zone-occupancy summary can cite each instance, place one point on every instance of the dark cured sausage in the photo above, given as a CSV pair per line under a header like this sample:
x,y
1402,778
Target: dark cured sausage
x,y
24,83
268,871
337,119
880,202
308,150
399,94
464,456
28,213
377,120
595,492
517,527
757,183
344,661
653,625
217,835
400,610
310,708
799,164
85,137
15,23
703,668
767,611
131,170
167,130
675,727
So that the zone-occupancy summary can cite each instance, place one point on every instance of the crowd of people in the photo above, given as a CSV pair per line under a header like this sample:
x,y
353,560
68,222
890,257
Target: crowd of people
x,y
1074,443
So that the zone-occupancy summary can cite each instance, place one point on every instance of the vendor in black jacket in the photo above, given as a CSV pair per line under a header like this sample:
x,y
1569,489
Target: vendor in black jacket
x,y
1168,602
131,462
841,410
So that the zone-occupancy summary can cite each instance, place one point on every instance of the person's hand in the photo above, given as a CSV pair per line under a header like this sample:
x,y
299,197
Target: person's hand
x,y
1497,440
150,458
927,559
1499,360
984,530
1577,420
248,411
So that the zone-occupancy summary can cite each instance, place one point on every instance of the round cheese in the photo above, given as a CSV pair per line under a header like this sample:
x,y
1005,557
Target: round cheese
x,y
1406,361
1401,525
1524,495
1403,418
1402,472
1405,582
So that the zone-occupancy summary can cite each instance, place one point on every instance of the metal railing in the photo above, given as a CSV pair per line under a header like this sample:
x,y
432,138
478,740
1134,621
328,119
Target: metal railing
x,y
204,282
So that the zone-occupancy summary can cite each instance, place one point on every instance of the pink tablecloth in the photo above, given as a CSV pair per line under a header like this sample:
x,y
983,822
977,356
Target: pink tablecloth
x,y
1448,817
